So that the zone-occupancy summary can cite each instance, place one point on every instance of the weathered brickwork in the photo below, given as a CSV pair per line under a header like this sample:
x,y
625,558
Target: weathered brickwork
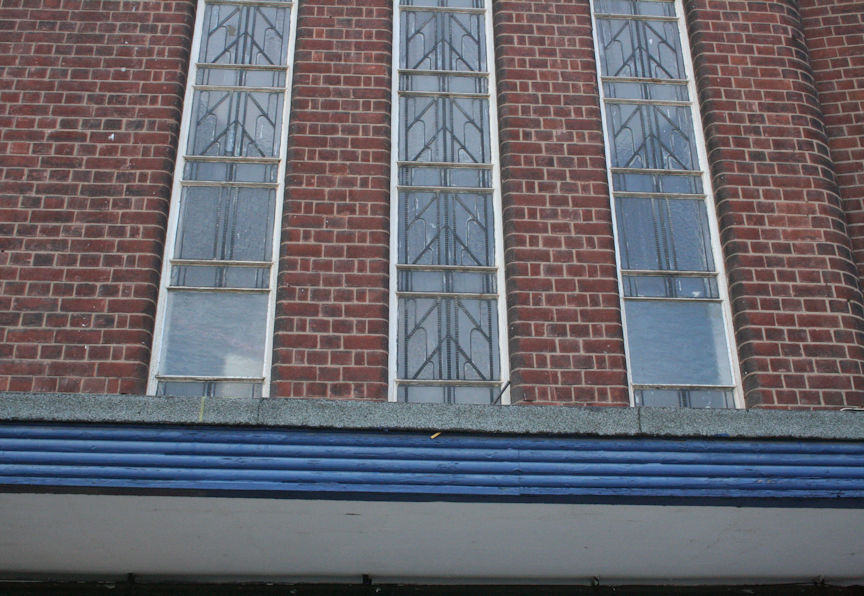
x,y
795,297
331,314
835,38
566,341
90,99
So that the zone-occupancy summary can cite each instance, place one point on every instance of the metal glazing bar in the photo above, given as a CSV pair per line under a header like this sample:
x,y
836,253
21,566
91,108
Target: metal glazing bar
x,y
652,81
410,8
443,94
450,382
220,66
239,88
448,189
665,299
648,102
474,268
668,272
205,379
445,73
218,290
220,263
276,3
635,17
229,159
656,195
212,183
446,164
656,171
466,295
639,387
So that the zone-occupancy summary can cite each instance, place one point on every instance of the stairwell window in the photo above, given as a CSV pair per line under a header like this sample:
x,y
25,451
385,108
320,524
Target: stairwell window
x,y
448,332
216,303
673,290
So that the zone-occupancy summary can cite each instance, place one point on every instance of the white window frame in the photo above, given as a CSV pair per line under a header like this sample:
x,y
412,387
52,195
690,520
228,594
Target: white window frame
x,y
716,248
503,352
177,187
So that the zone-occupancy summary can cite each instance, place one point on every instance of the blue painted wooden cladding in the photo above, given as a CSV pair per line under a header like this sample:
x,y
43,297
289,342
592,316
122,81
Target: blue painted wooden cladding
x,y
382,465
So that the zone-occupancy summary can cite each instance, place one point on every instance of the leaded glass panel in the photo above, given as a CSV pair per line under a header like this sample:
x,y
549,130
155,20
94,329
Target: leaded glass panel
x,y
226,223
664,234
644,49
448,394
198,276
227,171
684,398
677,343
632,182
446,229
448,338
670,286
646,91
444,129
215,334
442,41
236,123
410,175
437,83
209,389
651,136
240,77
244,34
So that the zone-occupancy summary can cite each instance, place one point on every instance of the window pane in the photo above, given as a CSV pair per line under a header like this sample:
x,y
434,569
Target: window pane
x,y
657,183
444,129
670,286
461,177
223,171
442,41
677,343
470,282
443,83
236,123
214,334
664,234
692,398
236,34
226,223
644,49
437,394
241,77
197,276
636,7
446,229
651,136
649,91
209,389
448,338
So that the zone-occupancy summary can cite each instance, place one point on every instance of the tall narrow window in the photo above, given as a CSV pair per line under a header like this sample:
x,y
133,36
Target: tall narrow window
x,y
217,298
447,336
676,316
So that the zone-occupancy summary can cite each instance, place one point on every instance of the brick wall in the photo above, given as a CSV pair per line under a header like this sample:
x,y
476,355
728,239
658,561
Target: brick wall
x,y
795,297
331,313
566,343
90,99
835,38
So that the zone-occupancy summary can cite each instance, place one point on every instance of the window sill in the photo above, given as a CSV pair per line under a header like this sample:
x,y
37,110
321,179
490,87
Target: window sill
x,y
381,416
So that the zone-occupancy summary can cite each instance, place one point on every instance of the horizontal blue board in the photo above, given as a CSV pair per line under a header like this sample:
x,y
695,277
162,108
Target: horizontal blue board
x,y
381,465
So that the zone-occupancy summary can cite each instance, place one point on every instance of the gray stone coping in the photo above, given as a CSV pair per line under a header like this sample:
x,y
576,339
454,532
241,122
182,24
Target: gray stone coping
x,y
364,415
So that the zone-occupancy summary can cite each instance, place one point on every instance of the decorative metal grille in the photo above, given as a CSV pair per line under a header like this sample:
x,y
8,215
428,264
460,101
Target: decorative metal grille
x,y
216,303
675,310
447,328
